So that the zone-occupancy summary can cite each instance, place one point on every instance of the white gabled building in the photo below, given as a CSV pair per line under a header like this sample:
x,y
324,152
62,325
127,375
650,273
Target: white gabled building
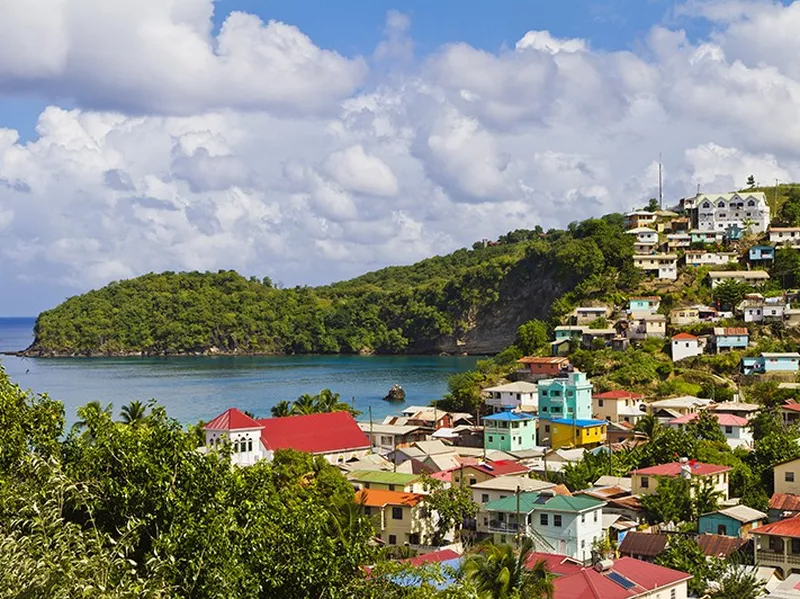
x,y
646,239
720,211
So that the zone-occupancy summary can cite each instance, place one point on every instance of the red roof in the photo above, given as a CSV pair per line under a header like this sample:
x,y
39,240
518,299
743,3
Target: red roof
x,y
618,394
328,432
437,557
557,564
785,502
588,583
646,575
543,360
674,469
719,545
791,406
684,337
790,527
232,420
722,418
499,467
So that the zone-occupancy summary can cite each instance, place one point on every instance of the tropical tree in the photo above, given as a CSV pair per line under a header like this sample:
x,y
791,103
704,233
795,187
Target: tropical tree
x,y
706,426
705,497
736,581
453,506
684,554
671,502
91,412
134,413
305,404
281,409
649,426
500,572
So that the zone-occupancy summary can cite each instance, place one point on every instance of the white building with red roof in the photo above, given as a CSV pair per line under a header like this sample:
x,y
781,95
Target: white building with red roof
x,y
334,435
777,545
645,480
618,406
735,428
685,346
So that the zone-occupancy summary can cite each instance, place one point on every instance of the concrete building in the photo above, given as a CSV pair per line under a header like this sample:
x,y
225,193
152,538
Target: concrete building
x,y
761,254
706,258
618,406
509,431
399,518
646,239
785,236
700,236
777,545
646,326
641,305
506,486
645,480
720,211
787,477
584,315
662,266
754,278
386,438
678,241
573,432
767,363
569,397
730,339
521,395
640,218
735,428
684,345
544,367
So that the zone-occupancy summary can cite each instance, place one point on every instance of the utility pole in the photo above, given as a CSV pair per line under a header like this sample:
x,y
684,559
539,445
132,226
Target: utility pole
x,y
519,528
371,437
660,185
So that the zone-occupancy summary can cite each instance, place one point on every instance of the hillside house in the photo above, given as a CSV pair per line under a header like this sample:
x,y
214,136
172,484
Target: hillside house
x,y
388,437
691,315
544,367
755,308
719,211
592,337
640,218
645,480
625,578
642,305
684,345
678,406
705,258
786,477
745,410
754,278
520,395
785,236
382,480
706,237
768,363
399,518
662,266
568,331
678,241
731,338
569,397
430,417
485,470
574,432
643,546
509,431
783,505
584,315
734,521
681,224
790,412
556,523
335,436
735,428
647,326
506,486
777,545
646,239
618,406
761,254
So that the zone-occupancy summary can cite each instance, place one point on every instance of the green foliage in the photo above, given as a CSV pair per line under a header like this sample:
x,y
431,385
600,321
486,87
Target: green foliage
x,y
736,581
532,336
729,293
683,554
706,427
500,572
671,501
452,505
323,402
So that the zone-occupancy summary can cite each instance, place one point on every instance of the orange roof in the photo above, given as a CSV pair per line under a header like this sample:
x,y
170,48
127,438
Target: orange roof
x,y
790,527
684,336
545,360
378,498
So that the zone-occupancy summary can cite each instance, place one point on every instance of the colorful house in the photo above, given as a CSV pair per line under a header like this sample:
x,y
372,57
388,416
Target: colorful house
x,y
644,305
625,578
707,237
520,395
618,406
735,521
646,239
398,517
567,432
645,480
506,486
568,331
761,254
382,480
685,346
569,397
640,218
731,338
663,266
777,545
706,258
470,474
768,363
509,431
786,477
544,367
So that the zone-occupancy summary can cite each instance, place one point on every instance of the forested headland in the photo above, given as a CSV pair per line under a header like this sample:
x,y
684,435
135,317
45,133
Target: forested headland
x,y
471,301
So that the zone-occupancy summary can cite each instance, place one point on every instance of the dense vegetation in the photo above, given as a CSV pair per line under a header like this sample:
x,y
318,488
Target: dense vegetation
x,y
426,307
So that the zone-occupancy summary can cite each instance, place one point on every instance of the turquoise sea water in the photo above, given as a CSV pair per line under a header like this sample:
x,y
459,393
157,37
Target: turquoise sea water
x,y
194,388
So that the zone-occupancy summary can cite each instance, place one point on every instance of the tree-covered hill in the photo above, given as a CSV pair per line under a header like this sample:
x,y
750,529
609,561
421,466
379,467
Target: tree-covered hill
x,y
472,301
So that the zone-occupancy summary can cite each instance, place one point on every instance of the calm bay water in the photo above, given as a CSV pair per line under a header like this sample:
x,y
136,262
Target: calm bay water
x,y
194,388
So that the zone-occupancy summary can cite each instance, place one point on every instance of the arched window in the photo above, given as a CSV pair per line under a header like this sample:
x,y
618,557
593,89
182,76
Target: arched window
x,y
720,204
751,203
706,204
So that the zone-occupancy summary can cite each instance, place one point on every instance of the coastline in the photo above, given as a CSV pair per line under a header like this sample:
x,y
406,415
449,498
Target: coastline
x,y
51,354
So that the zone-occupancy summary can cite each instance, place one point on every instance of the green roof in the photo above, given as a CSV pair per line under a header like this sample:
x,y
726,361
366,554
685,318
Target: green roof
x,y
529,502
383,477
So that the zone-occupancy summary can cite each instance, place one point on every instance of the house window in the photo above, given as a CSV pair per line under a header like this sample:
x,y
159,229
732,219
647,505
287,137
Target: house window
x,y
556,519
728,430
391,487
250,445
595,516
673,594
776,544
722,530
645,482
543,519
583,518
795,545
397,513
547,428
484,498
600,403
392,539
367,510
788,477
472,480
491,438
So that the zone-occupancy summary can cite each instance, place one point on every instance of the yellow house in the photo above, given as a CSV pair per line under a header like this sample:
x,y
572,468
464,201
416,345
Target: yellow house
x,y
787,477
398,517
566,432
645,480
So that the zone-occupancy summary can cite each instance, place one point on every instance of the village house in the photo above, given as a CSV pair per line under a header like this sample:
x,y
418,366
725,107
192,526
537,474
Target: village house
x,y
679,224
786,476
770,363
644,304
646,239
783,505
745,410
673,407
573,432
592,337
761,254
618,406
640,218
471,474
625,578
645,480
785,236
678,241
735,428
734,521
584,315
755,308
754,278
643,546
335,436
662,266
509,431
720,211
567,525
388,437
706,237
544,367
568,331
777,545
430,417
706,258
382,480
520,395
730,339
684,345
399,518
506,486
790,412
691,315
647,326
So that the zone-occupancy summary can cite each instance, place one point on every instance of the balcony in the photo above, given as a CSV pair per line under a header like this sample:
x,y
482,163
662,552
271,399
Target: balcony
x,y
766,557
503,527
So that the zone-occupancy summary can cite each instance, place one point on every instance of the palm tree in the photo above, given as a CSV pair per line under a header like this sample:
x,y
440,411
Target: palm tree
x,y
498,572
706,497
649,426
305,404
327,401
281,409
134,413
89,413
737,581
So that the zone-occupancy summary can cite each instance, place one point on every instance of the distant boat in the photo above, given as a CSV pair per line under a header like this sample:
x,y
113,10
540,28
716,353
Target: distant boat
x,y
395,395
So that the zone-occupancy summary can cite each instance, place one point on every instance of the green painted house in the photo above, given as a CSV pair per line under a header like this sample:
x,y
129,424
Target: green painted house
x,y
509,431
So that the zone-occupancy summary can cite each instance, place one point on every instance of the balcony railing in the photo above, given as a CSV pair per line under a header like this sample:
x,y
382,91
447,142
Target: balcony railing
x,y
777,557
504,527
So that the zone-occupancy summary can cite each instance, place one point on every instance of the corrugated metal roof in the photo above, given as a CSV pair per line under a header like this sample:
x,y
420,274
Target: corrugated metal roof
x,y
719,545
377,498
674,469
639,543
382,476
782,528
785,502
232,420
741,513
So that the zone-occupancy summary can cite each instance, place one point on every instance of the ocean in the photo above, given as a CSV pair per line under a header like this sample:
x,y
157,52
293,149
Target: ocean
x,y
199,388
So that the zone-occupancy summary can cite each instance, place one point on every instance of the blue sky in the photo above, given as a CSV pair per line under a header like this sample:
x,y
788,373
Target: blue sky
x,y
347,136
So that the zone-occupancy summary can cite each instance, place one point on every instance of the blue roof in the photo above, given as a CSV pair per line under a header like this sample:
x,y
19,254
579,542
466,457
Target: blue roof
x,y
579,423
762,247
509,416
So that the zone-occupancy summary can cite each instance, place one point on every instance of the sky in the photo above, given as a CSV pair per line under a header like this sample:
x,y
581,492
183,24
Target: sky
x,y
311,141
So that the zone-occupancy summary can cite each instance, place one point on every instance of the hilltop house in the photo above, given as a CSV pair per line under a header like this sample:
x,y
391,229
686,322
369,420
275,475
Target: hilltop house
x,y
753,278
640,218
399,518
556,523
646,326
335,436
506,486
734,521
706,258
692,314
645,480
584,315
685,346
646,239
509,431
663,266
678,241
770,363
727,339
785,236
735,428
761,254
618,406
520,395
644,305
719,211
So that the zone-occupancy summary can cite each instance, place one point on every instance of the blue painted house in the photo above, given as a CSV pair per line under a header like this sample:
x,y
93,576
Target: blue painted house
x,y
701,236
761,254
647,304
569,332
734,232
731,338
771,362
568,397
736,521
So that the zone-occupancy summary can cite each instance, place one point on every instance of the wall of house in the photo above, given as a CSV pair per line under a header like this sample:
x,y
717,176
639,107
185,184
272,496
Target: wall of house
x,y
510,436
575,535
246,445
719,524
401,530
787,477
607,409
682,349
